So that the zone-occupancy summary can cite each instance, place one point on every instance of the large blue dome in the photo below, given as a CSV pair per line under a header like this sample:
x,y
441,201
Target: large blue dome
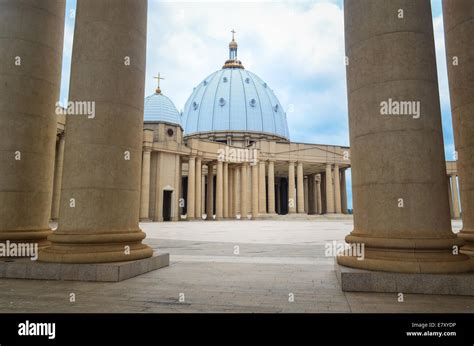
x,y
234,99
159,108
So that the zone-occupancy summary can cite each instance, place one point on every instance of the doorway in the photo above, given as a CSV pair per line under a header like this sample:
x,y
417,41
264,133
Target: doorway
x,y
167,195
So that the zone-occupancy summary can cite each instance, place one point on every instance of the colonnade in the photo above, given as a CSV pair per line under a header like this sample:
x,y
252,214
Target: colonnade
x,y
247,190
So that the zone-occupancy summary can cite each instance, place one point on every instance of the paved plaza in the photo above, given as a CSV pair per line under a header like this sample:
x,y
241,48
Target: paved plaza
x,y
228,266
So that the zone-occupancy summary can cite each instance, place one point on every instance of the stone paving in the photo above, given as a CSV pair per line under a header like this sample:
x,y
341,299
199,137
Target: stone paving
x,y
228,266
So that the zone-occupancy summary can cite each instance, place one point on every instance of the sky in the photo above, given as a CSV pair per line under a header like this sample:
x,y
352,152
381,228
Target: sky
x,y
297,47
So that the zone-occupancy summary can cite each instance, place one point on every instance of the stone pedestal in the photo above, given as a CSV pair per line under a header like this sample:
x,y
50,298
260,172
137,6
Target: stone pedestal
x,y
401,210
100,197
359,280
101,272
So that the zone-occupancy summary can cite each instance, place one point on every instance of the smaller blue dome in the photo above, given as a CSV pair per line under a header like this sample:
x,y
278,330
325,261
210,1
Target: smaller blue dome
x,y
159,108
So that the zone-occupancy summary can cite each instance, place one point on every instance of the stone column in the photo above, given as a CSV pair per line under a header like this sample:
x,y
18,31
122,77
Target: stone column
x,y
175,212
198,181
219,191
262,193
203,192
255,190
231,191
58,174
313,197
278,198
291,188
450,198
337,189
31,53
343,191
191,187
145,182
306,195
455,194
243,191
319,197
300,187
329,191
237,189
99,214
226,190
210,192
271,187
401,210
458,30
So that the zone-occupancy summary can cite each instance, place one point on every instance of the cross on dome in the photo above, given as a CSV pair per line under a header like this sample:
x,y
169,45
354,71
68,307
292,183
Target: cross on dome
x,y
158,90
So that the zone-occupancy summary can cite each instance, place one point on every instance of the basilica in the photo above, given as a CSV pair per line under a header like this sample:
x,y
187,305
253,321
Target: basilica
x,y
229,155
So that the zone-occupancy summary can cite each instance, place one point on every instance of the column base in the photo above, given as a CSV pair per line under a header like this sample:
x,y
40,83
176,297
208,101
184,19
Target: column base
x,y
431,256
39,237
96,247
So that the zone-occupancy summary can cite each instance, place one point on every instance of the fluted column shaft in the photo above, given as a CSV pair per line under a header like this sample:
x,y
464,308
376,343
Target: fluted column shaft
x,y
401,210
101,225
